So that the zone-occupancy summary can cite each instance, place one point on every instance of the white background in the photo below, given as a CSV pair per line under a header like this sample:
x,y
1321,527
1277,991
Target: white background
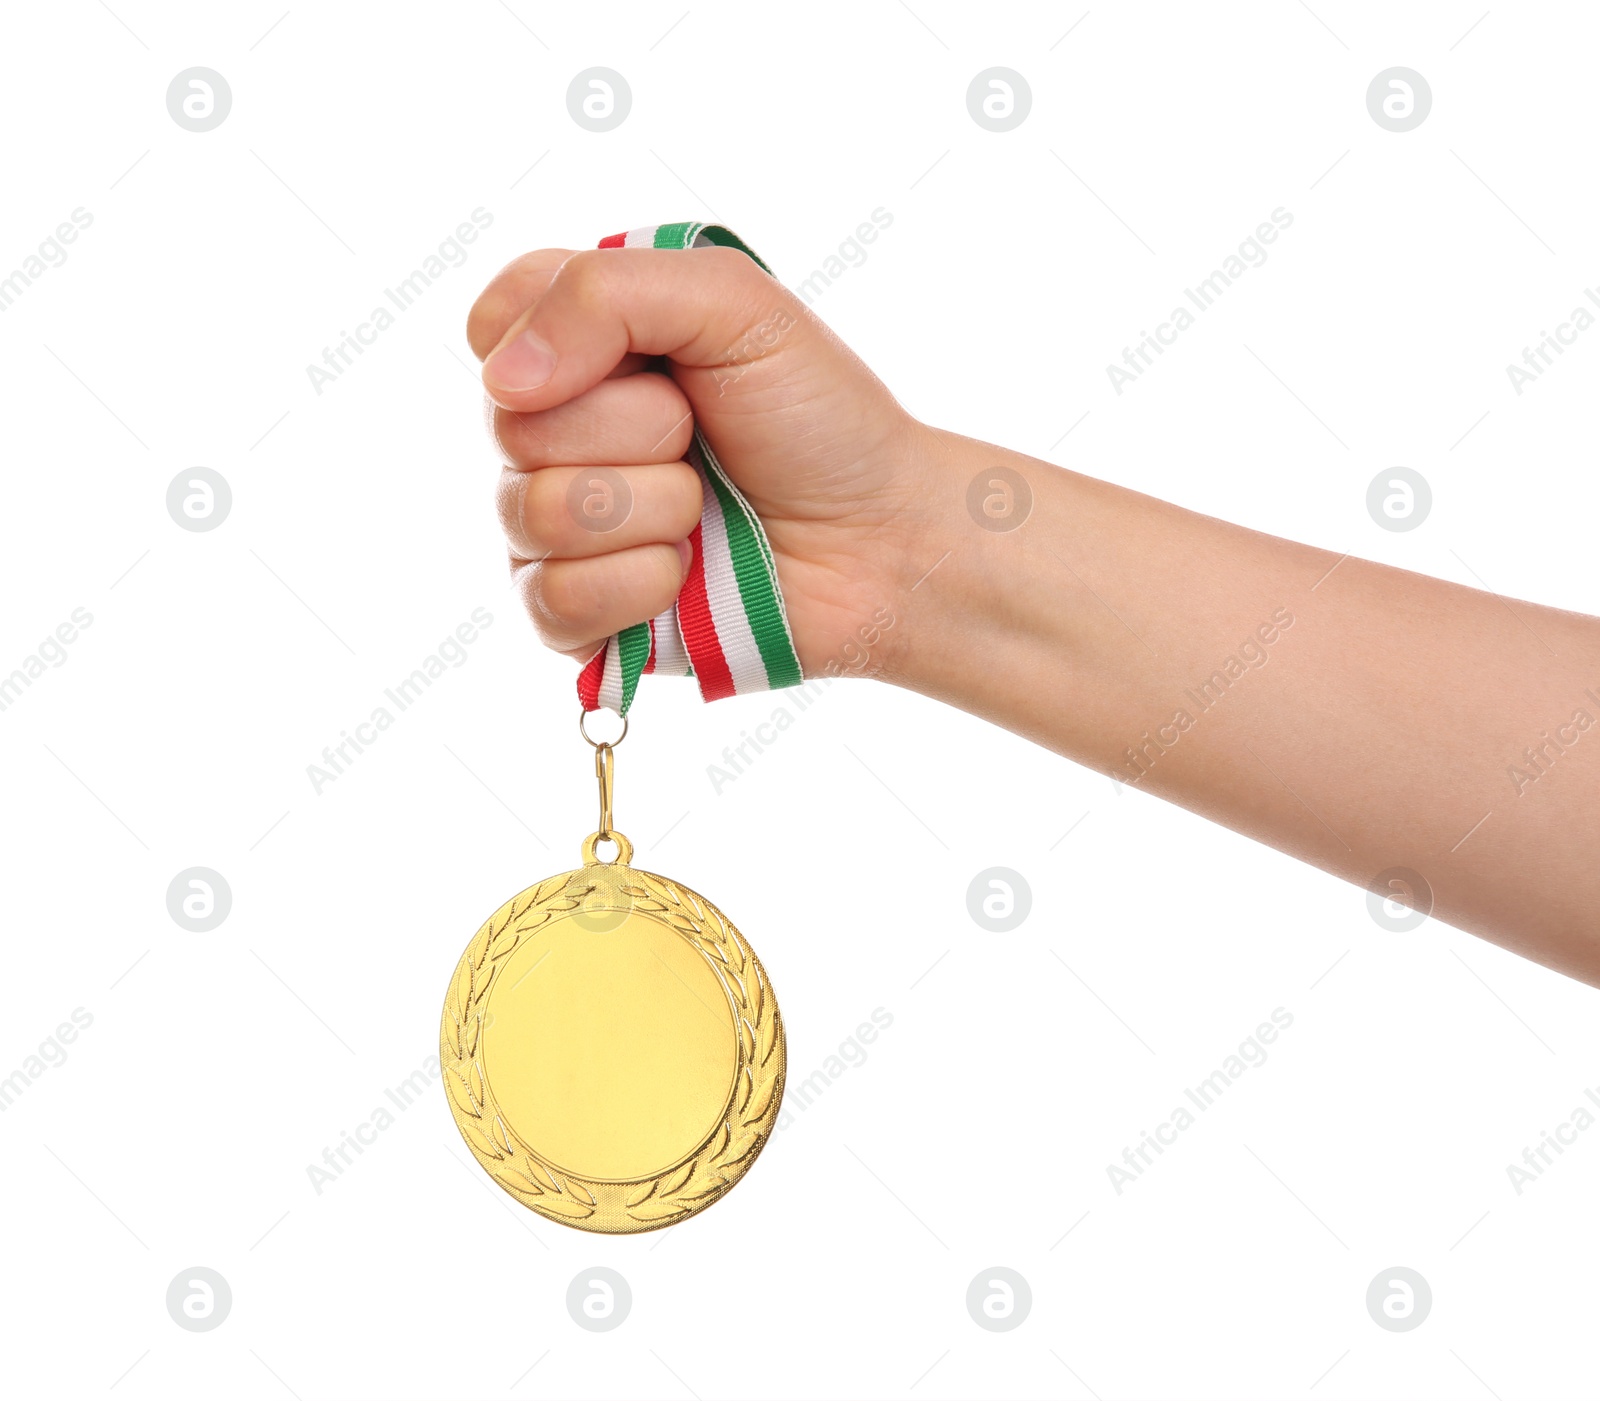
x,y
978,1132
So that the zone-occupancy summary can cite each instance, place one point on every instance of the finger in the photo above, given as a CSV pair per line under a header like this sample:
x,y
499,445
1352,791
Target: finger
x,y
510,292
509,295
577,603
581,512
639,418
703,307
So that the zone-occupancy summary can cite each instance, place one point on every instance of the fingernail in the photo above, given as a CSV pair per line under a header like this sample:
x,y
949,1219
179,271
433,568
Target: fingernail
x,y
685,554
525,363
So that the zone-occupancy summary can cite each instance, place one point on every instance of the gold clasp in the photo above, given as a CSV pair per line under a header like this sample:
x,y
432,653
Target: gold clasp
x,y
604,771
605,776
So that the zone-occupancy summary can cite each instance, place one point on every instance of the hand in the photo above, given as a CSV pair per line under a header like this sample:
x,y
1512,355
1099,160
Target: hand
x,y
840,475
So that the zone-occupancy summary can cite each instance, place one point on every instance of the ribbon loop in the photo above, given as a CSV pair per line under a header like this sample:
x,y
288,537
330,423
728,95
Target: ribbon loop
x,y
728,628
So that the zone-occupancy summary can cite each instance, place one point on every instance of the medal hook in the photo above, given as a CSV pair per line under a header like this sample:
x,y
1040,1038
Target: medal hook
x,y
604,771
605,777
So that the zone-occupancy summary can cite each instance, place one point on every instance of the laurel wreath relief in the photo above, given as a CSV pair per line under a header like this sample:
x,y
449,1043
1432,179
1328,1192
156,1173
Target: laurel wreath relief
x,y
720,1160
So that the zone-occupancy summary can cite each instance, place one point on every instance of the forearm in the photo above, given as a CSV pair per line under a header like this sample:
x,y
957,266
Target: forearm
x,y
1355,716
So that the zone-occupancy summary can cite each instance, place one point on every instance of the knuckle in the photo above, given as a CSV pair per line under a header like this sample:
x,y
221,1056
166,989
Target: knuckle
x,y
740,274
567,601
517,439
662,579
731,259
534,581
510,504
675,422
685,500
587,276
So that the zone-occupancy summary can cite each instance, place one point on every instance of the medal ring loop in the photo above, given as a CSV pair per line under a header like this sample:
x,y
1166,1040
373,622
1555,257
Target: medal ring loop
x,y
583,719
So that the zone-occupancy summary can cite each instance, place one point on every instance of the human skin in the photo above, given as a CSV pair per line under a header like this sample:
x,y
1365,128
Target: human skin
x,y
1384,726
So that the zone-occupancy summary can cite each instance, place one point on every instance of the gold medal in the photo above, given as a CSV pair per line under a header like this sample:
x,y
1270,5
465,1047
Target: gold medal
x,y
611,1048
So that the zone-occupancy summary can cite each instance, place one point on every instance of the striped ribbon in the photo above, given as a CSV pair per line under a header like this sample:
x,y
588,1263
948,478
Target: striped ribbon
x,y
728,628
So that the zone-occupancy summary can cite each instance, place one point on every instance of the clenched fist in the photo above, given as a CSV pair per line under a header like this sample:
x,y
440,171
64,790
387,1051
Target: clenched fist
x,y
607,358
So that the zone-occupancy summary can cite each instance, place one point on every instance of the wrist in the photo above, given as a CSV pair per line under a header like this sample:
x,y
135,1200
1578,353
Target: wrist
x,y
978,533
895,540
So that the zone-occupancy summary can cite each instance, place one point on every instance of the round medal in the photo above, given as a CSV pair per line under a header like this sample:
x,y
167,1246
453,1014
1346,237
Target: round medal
x,y
612,1050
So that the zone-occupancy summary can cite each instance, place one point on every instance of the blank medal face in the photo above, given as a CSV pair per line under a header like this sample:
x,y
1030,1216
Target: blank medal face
x,y
609,1046
612,1050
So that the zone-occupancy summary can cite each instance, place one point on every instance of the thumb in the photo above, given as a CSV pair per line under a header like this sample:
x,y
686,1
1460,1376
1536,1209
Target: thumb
x,y
706,308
